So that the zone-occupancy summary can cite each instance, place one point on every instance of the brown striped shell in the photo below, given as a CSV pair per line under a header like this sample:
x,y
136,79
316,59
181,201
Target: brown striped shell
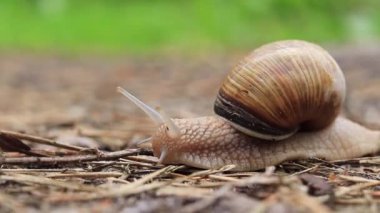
x,y
282,87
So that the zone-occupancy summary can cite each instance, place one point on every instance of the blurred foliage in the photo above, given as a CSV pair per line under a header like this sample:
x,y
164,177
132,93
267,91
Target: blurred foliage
x,y
146,26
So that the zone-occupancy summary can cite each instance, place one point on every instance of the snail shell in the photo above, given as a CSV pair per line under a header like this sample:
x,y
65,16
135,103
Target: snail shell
x,y
282,87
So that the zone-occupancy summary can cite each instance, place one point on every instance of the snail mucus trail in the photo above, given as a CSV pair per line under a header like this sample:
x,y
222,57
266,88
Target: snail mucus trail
x,y
279,87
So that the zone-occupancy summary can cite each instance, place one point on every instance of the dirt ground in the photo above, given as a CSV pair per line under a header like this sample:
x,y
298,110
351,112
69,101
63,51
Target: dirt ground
x,y
73,100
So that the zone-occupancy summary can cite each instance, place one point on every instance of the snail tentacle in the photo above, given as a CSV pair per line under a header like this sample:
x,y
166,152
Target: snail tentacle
x,y
143,141
163,154
153,114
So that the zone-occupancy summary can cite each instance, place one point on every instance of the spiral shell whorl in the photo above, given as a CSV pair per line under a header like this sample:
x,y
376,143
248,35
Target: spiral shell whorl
x,y
281,87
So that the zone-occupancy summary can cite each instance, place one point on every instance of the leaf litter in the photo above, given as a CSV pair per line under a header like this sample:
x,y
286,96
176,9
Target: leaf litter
x,y
66,140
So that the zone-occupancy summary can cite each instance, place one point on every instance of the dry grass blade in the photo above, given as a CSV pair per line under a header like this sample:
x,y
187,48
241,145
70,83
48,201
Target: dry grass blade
x,y
364,160
357,201
42,170
139,163
265,180
301,200
135,187
29,179
201,174
242,174
143,158
223,178
201,184
189,192
372,160
87,175
356,179
11,203
40,140
305,170
212,171
356,187
69,159
147,178
208,201
93,196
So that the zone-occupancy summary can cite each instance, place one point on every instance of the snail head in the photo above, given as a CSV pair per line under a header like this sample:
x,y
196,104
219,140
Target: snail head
x,y
168,130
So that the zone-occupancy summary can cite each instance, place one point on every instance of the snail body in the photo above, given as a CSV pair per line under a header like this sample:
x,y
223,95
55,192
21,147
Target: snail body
x,y
275,91
211,142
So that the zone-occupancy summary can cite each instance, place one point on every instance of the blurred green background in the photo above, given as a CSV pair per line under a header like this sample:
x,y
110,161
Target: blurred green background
x,y
180,26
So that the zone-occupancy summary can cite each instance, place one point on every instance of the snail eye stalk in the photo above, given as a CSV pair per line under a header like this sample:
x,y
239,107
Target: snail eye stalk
x,y
153,114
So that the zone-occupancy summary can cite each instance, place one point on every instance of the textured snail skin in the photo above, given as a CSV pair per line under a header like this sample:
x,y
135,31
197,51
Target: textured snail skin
x,y
211,142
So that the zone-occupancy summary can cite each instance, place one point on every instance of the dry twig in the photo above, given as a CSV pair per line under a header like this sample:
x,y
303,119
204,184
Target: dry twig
x,y
356,187
87,175
40,140
70,159
132,188
30,179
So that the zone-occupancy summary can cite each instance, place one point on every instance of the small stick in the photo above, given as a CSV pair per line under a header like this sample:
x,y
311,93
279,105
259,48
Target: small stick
x,y
356,187
87,175
305,170
22,178
118,180
189,192
204,173
41,170
362,160
136,187
143,158
92,196
223,178
40,140
356,201
103,165
138,163
41,152
356,179
70,159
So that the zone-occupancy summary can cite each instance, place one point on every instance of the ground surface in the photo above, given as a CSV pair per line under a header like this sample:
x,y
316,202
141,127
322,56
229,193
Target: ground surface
x,y
74,101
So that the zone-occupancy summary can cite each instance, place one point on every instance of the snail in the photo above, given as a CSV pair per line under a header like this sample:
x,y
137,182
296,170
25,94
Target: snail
x,y
281,102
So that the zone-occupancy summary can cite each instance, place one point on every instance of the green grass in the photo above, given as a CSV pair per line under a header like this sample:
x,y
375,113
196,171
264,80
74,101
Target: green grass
x,y
149,26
